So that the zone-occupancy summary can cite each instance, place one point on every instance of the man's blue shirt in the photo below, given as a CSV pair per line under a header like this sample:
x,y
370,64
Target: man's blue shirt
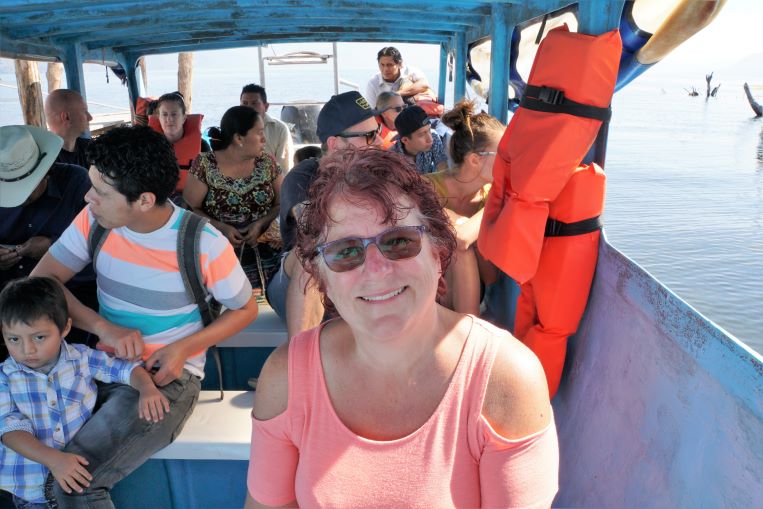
x,y
48,216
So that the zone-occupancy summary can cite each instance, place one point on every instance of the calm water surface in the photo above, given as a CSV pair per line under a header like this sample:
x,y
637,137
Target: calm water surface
x,y
685,193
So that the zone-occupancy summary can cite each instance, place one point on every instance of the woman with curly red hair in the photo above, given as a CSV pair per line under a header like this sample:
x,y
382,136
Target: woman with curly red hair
x,y
399,401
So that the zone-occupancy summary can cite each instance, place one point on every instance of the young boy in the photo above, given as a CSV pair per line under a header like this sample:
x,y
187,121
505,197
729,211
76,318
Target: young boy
x,y
47,392
418,142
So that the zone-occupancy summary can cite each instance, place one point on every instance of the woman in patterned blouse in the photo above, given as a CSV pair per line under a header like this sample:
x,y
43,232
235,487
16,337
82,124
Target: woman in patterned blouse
x,y
237,187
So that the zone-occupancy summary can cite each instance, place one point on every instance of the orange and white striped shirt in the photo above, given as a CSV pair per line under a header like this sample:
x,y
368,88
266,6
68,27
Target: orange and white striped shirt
x,y
139,282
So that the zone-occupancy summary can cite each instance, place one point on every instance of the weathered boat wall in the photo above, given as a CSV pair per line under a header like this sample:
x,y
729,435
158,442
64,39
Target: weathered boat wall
x,y
659,407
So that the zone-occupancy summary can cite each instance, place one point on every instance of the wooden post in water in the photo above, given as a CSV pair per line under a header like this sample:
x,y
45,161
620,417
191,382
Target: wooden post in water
x,y
143,74
30,92
53,74
185,78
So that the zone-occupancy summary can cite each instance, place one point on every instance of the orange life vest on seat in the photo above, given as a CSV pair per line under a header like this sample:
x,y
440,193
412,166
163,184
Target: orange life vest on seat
x,y
140,115
187,147
537,172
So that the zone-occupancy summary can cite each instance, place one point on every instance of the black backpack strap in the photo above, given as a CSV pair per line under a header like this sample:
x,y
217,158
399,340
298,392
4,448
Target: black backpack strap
x,y
189,263
95,240
551,100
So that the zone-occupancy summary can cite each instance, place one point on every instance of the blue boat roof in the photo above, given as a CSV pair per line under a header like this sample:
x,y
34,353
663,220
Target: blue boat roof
x,y
100,30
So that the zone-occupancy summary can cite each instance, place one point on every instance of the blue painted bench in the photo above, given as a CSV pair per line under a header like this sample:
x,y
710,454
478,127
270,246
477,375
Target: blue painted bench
x,y
205,467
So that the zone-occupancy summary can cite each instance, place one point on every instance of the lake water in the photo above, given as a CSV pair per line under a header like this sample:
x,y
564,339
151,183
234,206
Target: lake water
x,y
685,192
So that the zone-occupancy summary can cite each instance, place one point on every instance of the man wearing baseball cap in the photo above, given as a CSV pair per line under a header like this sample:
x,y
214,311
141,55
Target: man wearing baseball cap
x,y
346,121
38,200
418,142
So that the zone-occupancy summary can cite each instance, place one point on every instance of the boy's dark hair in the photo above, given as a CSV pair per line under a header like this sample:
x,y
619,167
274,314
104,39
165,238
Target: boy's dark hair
x,y
310,151
252,88
136,160
28,299
390,51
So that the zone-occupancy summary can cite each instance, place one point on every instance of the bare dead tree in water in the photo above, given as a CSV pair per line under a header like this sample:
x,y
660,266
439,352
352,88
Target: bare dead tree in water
x,y
708,78
715,90
757,108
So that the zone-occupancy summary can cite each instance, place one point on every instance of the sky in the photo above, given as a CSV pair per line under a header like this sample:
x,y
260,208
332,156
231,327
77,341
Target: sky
x,y
732,36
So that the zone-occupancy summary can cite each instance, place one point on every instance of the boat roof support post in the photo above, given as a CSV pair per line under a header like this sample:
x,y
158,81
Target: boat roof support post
x,y
443,73
261,65
500,35
459,87
596,17
336,68
75,75
130,64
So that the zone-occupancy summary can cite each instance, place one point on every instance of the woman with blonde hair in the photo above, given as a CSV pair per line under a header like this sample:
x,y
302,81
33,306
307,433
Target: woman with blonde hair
x,y
463,189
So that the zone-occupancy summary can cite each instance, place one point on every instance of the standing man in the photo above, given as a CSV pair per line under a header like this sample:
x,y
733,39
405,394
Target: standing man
x,y
277,136
346,121
418,142
145,311
393,76
67,116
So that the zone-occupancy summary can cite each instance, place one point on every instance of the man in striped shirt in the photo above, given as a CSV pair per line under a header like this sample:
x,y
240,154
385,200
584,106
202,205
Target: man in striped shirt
x,y
144,308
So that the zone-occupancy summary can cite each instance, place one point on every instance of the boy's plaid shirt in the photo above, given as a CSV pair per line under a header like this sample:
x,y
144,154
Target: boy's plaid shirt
x,y
51,407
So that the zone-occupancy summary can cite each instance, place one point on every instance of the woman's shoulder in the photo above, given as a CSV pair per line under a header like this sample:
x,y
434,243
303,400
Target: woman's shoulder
x,y
516,400
273,383
202,162
439,180
266,162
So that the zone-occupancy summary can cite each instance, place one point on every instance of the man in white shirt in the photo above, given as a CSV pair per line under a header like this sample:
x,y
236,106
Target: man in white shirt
x,y
394,76
277,136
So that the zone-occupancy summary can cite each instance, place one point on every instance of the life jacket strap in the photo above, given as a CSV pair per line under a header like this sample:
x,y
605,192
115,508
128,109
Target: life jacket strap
x,y
556,228
551,100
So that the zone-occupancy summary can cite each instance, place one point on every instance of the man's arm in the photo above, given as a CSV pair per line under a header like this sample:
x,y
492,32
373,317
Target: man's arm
x,y
304,308
285,156
127,343
414,83
172,357
409,88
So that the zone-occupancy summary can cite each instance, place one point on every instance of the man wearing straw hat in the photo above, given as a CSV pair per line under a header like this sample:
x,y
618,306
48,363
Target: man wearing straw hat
x,y
38,200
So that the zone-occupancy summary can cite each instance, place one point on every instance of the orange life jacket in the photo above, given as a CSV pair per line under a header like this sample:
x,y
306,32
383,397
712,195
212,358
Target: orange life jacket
x,y
387,135
537,173
187,147
430,105
140,116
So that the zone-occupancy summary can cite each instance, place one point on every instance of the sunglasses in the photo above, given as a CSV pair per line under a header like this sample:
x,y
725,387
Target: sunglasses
x,y
396,108
397,243
484,153
369,135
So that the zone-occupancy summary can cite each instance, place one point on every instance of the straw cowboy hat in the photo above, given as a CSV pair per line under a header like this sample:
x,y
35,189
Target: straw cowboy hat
x,y
26,155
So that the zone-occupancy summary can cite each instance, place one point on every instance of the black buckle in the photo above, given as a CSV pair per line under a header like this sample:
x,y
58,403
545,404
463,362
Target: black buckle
x,y
550,95
553,227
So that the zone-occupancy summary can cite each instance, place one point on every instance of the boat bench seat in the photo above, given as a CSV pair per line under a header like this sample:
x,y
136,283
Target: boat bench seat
x,y
216,430
243,354
267,330
204,468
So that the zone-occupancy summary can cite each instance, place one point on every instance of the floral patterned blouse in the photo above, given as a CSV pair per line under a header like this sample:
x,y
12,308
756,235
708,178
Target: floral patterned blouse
x,y
237,201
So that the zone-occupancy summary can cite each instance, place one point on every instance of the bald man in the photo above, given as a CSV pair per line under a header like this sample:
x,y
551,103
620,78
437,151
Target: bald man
x,y
67,115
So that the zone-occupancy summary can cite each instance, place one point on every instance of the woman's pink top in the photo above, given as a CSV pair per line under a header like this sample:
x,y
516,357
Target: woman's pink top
x,y
454,460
